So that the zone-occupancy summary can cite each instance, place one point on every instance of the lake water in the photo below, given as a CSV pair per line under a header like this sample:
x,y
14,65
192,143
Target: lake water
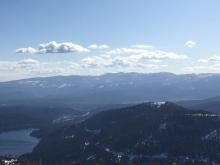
x,y
17,142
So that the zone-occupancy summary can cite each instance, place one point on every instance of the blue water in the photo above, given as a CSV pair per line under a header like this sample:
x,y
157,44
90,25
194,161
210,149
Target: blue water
x,y
17,142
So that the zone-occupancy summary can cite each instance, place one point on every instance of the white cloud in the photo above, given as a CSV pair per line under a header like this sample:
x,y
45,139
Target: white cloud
x,y
26,50
141,46
27,68
161,55
210,59
147,54
107,63
132,59
93,65
214,68
28,62
53,47
120,51
95,46
16,65
190,44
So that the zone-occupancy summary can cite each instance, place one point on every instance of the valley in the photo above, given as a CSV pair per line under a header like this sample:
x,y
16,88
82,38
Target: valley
x,y
109,82
101,131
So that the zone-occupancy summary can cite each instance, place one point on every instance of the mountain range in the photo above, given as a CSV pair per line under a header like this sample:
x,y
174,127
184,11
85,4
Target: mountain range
x,y
118,118
115,88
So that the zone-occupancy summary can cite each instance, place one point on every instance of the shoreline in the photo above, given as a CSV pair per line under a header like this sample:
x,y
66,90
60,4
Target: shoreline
x,y
25,142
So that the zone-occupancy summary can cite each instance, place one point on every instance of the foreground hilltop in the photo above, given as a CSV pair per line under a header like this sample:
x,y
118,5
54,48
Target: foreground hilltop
x,y
154,132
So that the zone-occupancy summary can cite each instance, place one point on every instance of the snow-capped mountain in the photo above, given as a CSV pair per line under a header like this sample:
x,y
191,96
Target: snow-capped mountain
x,y
113,88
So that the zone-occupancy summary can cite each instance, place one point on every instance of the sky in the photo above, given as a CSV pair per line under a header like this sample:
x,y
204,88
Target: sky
x,y
93,37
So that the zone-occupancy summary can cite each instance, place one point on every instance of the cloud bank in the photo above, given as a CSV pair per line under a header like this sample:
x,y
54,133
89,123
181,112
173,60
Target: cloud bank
x,y
210,59
53,47
140,58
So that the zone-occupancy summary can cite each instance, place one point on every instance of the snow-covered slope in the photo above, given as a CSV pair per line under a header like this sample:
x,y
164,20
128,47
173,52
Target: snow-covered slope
x,y
113,88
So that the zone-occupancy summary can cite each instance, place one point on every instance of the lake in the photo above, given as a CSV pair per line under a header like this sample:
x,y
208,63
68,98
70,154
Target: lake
x,y
17,142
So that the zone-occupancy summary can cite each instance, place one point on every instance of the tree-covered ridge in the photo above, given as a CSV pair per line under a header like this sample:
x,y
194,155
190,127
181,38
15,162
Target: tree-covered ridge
x,y
154,131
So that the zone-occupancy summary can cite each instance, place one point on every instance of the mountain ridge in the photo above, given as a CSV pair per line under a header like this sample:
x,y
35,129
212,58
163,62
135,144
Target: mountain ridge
x,y
150,132
112,88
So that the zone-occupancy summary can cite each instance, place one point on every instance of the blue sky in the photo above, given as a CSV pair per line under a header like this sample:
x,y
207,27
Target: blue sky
x,y
120,24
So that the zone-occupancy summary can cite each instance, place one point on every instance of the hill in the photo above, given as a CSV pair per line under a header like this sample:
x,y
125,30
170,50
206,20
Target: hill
x,y
211,104
158,132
